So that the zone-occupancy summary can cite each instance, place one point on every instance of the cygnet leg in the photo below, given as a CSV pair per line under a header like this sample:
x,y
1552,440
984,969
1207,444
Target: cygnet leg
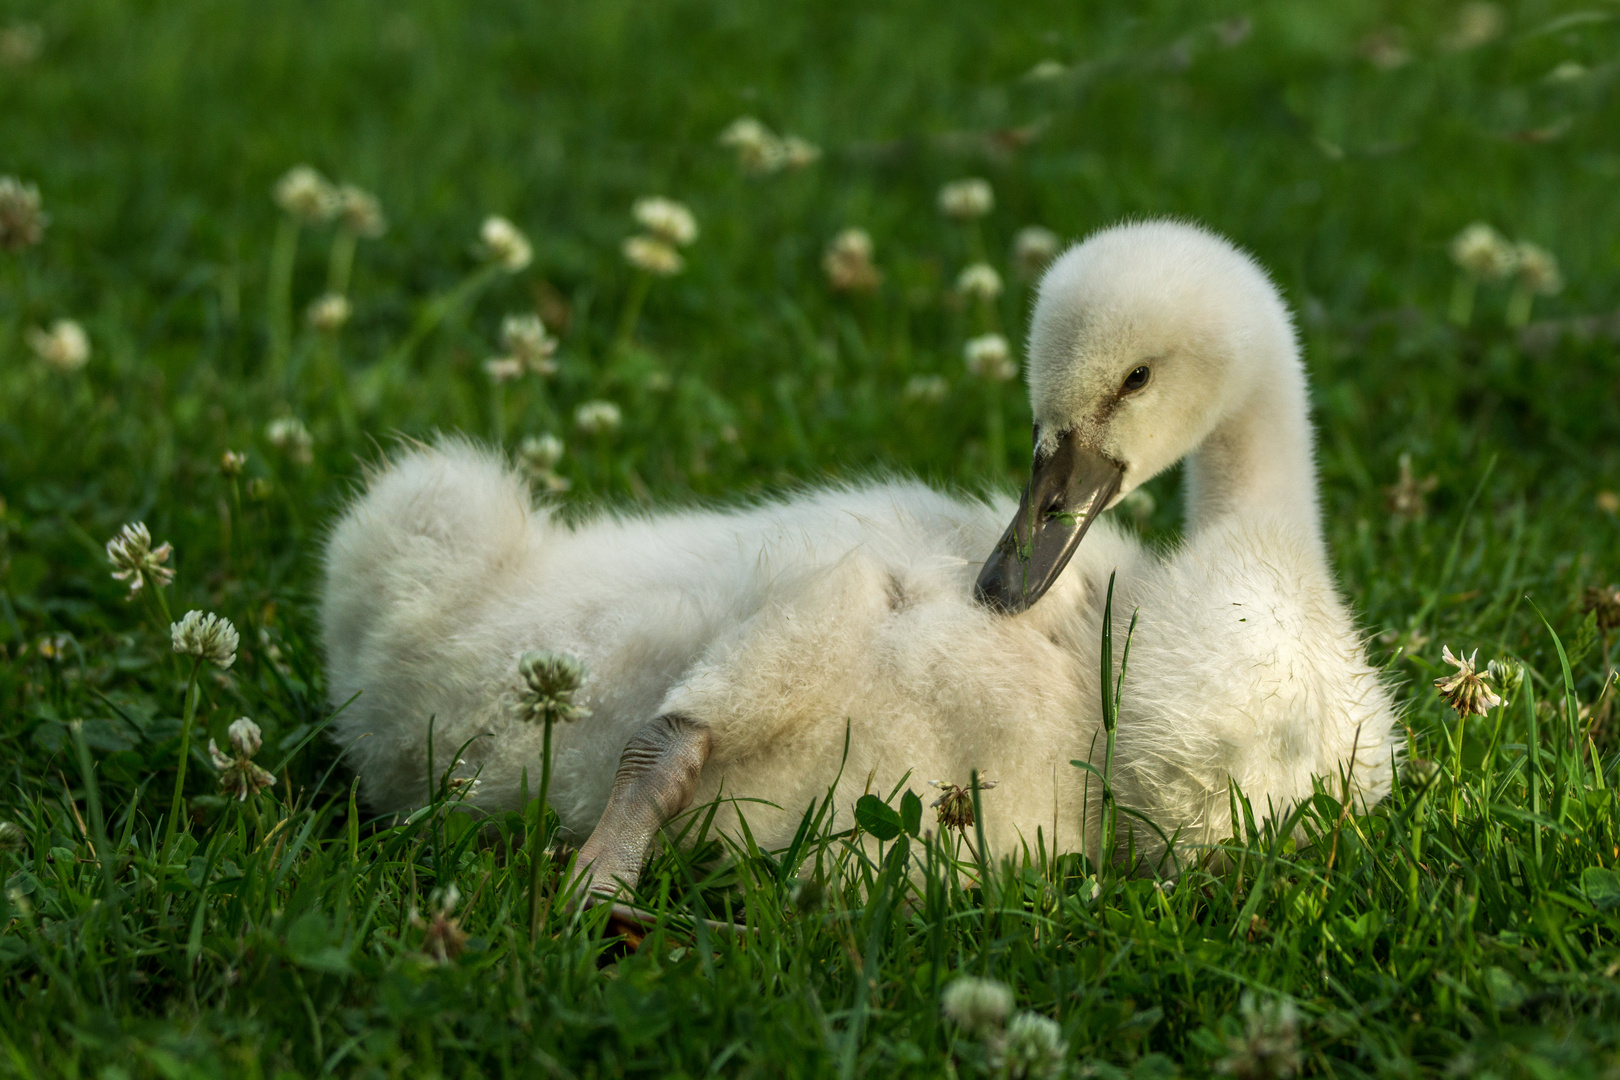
x,y
657,778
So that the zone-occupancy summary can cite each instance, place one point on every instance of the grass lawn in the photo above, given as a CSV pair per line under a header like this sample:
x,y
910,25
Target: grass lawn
x,y
1469,926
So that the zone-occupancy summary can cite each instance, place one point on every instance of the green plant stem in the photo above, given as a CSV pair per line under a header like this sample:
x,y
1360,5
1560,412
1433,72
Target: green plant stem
x,y
193,692
283,255
631,312
1462,299
340,263
537,833
1520,301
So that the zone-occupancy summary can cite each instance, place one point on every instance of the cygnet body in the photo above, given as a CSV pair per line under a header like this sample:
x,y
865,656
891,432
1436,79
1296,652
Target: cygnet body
x,y
855,638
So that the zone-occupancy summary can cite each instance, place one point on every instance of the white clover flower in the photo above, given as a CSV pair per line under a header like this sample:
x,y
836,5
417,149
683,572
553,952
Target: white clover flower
x,y
65,346
504,245
598,417
306,195
550,681
239,775
1465,689
12,838
1476,25
964,199
136,560
503,369
539,454
929,389
360,213
666,219
1032,1048
206,635
442,937
1269,1045
1033,248
990,357
1507,674
22,222
1047,70
977,1005
652,255
232,463
848,262
328,312
1538,269
758,149
1483,252
979,281
525,339
798,153
289,435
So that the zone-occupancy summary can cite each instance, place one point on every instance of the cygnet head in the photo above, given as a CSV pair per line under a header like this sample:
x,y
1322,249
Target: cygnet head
x,y
1146,338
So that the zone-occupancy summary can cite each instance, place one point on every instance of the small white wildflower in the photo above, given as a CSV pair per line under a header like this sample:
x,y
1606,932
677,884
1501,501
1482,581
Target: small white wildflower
x,y
504,245
990,357
21,44
550,681
1268,1049
652,255
758,149
799,153
1507,675
1033,248
328,312
848,262
1538,269
12,838
1046,70
1483,252
539,454
1570,71
597,417
240,775
232,463
443,938
930,389
503,369
666,219
22,221
1032,1048
1465,689
1476,25
979,281
65,346
136,560
289,435
206,635
977,1005
524,338
970,198
306,195
360,213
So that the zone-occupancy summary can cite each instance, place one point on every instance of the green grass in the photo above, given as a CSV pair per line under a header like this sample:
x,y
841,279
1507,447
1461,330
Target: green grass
x,y
1470,927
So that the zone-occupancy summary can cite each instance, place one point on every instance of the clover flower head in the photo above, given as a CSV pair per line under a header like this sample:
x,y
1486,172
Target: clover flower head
x,y
306,195
328,312
977,1005
1407,497
239,775
22,221
652,255
598,417
1031,1048
989,356
955,804
665,219
442,938
525,339
540,454
65,346
1033,249
965,199
1483,252
1268,1048
848,262
503,369
1604,602
979,281
289,435
360,212
245,736
232,463
1465,690
1538,269
799,153
550,681
928,389
1507,675
504,245
135,560
758,149
1048,70
205,635
12,837
1475,25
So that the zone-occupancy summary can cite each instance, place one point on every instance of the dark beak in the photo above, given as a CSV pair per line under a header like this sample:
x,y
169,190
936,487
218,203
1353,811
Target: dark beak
x,y
1067,489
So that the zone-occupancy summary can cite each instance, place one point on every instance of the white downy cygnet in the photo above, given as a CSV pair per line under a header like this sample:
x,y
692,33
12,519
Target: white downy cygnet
x,y
730,650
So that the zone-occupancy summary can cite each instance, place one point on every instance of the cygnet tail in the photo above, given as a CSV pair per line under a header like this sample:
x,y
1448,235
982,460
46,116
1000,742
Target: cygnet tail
x,y
436,530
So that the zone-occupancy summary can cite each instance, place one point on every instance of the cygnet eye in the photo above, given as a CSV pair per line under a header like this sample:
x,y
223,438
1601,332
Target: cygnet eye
x,y
1136,379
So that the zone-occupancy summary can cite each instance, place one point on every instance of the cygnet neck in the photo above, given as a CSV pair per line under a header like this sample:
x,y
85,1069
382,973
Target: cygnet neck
x,y
1259,462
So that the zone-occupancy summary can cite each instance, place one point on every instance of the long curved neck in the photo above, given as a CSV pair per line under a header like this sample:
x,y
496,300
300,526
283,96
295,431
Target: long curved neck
x,y
1259,463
